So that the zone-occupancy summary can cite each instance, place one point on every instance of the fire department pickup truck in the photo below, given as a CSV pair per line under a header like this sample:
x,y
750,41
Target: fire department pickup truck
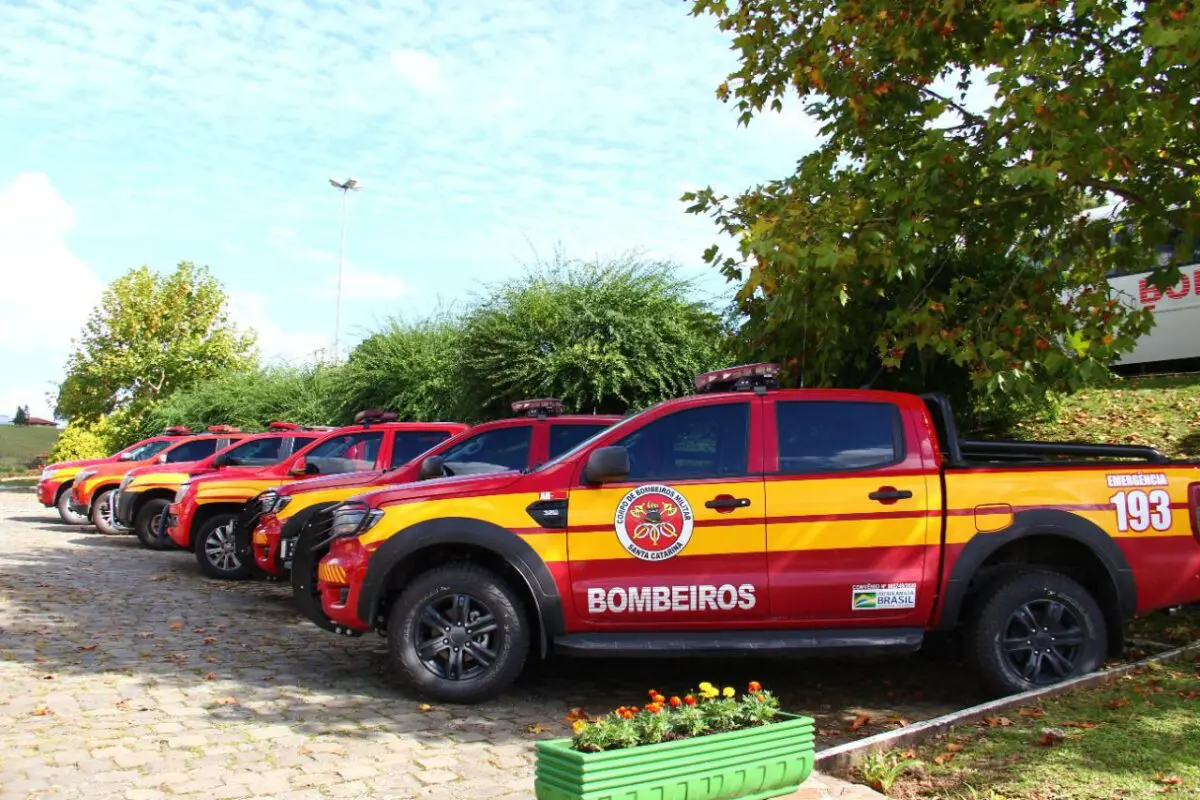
x,y
206,507
270,523
749,519
54,485
93,489
145,493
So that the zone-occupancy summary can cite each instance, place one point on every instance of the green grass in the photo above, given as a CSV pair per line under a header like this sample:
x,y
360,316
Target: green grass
x,y
20,444
1139,738
1163,412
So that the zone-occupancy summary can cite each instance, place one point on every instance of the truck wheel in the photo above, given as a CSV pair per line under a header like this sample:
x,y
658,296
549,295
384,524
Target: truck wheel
x,y
63,503
145,525
1036,628
215,549
458,634
103,515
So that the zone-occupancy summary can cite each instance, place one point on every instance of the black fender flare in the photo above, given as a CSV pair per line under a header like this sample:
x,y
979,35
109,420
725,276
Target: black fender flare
x,y
474,533
1039,522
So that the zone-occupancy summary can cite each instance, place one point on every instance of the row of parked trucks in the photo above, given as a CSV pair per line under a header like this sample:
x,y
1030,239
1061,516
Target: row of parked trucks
x,y
742,519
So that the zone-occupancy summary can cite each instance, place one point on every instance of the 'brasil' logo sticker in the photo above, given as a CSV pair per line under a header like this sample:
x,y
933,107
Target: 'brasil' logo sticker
x,y
653,522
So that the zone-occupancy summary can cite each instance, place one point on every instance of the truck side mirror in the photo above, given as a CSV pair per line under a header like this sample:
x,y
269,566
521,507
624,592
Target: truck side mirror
x,y
300,467
607,464
220,460
162,459
432,467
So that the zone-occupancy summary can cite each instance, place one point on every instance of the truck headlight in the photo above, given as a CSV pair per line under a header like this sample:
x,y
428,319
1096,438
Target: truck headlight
x,y
281,503
84,475
354,519
47,473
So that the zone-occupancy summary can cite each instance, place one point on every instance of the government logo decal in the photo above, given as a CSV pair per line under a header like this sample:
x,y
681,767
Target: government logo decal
x,y
654,522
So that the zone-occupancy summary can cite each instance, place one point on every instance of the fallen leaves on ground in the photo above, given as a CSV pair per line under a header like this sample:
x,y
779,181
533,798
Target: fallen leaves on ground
x,y
577,714
1168,780
536,728
87,647
1030,711
1083,725
998,722
176,625
954,747
424,708
212,676
1051,737
1118,703
209,640
859,721
228,701
41,711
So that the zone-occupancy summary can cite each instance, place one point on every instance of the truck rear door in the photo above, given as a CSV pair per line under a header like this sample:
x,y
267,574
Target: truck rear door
x,y
853,511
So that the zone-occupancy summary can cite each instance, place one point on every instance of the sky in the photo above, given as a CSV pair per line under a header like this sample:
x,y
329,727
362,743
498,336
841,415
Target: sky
x,y
485,135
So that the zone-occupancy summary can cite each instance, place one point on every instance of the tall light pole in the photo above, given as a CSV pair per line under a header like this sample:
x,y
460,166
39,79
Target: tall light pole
x,y
345,187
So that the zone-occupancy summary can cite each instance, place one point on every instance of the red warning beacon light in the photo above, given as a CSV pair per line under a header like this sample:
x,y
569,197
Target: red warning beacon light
x,y
740,379
538,407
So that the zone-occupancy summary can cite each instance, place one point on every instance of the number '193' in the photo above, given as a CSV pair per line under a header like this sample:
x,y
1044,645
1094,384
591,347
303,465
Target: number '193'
x,y
1138,510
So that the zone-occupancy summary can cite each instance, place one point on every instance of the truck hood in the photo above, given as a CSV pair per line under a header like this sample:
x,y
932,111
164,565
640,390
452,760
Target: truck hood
x,y
466,485
82,462
190,467
343,480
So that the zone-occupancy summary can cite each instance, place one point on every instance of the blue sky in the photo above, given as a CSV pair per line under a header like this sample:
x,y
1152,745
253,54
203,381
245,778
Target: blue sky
x,y
485,133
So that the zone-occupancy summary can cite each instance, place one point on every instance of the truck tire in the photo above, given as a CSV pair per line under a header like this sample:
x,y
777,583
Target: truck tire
x,y
486,634
145,524
1035,628
102,514
63,504
215,547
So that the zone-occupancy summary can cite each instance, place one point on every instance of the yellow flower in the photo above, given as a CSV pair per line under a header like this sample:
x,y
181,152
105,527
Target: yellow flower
x,y
705,686
708,691
578,726
729,692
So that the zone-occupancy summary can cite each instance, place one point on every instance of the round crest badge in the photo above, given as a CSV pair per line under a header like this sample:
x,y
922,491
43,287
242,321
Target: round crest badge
x,y
654,522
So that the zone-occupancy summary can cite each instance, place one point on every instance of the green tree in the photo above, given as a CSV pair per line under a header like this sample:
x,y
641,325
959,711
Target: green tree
x,y
408,367
602,337
84,439
151,335
21,417
929,232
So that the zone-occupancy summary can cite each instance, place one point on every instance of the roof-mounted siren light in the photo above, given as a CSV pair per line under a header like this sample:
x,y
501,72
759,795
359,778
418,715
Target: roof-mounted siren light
x,y
758,377
538,407
370,416
223,429
177,430
284,426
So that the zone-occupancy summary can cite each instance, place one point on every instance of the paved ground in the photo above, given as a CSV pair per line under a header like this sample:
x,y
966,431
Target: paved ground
x,y
125,674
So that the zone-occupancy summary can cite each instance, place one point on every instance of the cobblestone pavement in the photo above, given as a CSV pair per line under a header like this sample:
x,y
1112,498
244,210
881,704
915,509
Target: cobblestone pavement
x,y
126,674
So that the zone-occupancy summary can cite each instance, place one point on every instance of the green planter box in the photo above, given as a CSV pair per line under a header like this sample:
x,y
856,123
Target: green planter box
x,y
767,761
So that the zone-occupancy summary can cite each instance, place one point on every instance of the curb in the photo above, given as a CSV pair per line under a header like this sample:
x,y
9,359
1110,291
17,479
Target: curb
x,y
841,758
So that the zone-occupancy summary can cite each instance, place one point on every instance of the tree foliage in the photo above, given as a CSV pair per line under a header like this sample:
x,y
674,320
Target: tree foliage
x,y
408,367
22,416
926,232
602,337
151,335
83,439
249,399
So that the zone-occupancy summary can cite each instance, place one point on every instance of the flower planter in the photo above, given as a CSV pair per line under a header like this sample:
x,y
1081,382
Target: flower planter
x,y
764,761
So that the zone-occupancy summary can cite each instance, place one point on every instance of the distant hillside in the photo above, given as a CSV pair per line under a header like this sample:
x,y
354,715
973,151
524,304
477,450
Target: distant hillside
x,y
19,445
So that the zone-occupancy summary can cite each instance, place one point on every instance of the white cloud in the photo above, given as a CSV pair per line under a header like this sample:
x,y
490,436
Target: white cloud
x,y
276,344
47,293
419,68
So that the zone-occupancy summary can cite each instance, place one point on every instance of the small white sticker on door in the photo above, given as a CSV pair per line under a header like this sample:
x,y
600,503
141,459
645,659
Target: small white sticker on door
x,y
875,596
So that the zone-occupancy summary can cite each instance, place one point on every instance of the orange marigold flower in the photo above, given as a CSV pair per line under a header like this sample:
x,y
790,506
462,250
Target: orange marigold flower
x,y
627,714
689,700
658,698
653,708
652,693
676,702
634,709
755,686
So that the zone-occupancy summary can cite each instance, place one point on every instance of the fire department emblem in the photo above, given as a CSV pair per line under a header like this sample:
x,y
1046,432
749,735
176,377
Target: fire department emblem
x,y
654,522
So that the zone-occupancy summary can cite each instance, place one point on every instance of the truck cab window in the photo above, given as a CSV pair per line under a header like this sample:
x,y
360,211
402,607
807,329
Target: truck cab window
x,y
837,436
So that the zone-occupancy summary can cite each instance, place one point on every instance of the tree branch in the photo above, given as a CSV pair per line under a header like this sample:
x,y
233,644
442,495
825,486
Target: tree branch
x,y
968,116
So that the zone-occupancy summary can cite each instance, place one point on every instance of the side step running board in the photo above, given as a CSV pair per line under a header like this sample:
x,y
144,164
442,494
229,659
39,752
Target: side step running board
x,y
818,643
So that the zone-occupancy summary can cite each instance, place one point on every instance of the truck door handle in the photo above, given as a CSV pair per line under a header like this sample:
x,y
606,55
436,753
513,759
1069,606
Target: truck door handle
x,y
727,503
889,494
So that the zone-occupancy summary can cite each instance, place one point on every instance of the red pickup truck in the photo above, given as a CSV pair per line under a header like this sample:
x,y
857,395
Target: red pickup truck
x,y
753,519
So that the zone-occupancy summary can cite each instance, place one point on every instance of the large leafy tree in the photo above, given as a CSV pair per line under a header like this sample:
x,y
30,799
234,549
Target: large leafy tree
x,y
930,235
150,335
602,337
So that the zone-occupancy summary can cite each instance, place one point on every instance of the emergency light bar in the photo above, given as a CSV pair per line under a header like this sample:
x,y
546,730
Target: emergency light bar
x,y
539,407
739,379
222,429
177,430
371,415
284,426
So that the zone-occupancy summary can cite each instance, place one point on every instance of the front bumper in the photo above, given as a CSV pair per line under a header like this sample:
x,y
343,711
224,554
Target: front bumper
x,y
125,501
339,581
179,524
47,492
264,543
